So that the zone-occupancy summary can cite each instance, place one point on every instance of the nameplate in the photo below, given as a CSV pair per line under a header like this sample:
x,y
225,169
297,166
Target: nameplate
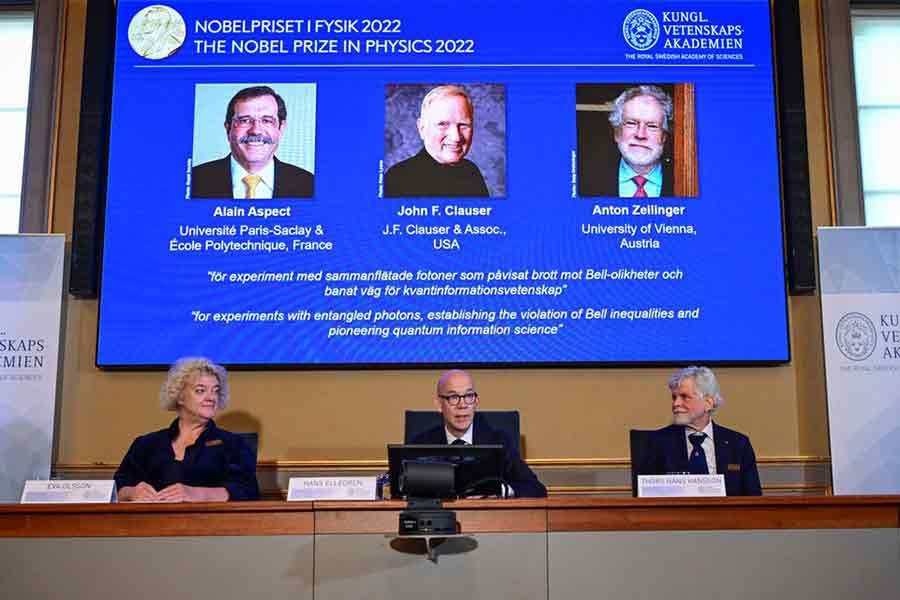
x,y
680,486
331,488
69,491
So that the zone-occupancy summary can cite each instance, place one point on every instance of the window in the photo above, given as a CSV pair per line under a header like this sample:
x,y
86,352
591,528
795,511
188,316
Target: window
x,y
15,69
876,48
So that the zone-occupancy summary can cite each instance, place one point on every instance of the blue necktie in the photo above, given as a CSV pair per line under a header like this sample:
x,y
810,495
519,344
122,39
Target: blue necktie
x,y
697,462
458,442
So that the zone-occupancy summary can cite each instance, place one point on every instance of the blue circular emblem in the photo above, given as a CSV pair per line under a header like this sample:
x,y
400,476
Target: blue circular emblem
x,y
641,29
856,336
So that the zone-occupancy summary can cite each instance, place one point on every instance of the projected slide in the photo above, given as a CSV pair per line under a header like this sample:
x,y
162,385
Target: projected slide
x,y
407,183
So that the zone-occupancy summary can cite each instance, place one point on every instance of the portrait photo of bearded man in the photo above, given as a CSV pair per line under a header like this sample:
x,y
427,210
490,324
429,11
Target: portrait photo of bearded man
x,y
625,142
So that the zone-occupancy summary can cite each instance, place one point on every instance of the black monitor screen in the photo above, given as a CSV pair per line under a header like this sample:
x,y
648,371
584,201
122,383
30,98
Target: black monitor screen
x,y
477,466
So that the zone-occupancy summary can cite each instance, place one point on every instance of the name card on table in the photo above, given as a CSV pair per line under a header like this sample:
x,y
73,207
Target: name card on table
x,y
69,491
680,486
332,488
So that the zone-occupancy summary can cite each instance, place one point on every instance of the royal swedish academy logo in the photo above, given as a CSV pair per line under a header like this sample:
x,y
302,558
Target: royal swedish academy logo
x,y
856,336
641,29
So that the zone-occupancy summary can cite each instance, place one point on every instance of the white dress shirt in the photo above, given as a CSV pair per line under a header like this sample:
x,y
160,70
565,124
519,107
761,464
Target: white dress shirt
x,y
264,188
466,437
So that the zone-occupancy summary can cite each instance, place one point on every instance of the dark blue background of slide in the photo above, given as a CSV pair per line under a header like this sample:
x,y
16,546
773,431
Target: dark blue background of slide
x,y
733,267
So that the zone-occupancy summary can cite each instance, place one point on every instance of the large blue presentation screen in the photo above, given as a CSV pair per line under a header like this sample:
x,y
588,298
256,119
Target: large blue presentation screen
x,y
430,182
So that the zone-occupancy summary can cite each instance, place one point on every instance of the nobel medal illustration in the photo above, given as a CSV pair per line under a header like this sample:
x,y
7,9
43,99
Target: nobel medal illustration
x,y
156,32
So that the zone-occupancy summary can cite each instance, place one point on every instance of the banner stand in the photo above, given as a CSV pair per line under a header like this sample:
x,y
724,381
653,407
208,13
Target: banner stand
x,y
859,270
31,293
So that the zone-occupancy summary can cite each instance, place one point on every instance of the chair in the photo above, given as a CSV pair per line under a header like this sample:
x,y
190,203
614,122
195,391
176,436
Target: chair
x,y
638,439
250,438
419,421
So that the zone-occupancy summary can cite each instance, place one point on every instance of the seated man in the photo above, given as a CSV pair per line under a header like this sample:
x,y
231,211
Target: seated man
x,y
694,444
457,400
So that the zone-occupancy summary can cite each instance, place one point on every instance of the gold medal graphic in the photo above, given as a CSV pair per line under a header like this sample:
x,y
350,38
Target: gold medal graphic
x,y
156,32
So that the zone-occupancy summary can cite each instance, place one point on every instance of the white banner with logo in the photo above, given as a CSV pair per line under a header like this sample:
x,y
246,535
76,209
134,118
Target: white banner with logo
x,y
31,276
859,270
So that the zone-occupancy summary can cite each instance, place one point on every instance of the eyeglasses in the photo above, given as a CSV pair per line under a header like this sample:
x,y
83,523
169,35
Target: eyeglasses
x,y
467,399
634,124
245,122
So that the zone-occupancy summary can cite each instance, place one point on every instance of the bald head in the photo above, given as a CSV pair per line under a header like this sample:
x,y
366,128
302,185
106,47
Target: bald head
x,y
452,374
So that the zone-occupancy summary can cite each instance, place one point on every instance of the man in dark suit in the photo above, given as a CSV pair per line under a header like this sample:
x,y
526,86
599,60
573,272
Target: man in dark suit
x,y
641,120
694,444
457,400
254,122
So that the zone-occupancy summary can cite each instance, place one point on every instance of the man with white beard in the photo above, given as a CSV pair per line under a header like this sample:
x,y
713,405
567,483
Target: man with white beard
x,y
694,444
641,121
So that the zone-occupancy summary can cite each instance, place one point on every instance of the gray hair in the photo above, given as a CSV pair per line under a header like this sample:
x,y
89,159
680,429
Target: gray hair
x,y
615,117
704,381
183,371
444,91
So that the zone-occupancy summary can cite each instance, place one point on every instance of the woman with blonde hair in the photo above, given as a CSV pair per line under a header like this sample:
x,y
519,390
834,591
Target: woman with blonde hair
x,y
192,460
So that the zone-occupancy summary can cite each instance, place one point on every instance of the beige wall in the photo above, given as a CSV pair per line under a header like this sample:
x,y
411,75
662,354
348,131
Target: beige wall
x,y
351,415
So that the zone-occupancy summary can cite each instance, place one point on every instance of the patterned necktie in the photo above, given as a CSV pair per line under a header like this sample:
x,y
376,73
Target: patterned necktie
x,y
251,181
697,462
639,181
458,442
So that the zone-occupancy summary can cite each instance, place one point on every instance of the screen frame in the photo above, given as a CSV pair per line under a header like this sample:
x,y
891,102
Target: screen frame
x,y
388,366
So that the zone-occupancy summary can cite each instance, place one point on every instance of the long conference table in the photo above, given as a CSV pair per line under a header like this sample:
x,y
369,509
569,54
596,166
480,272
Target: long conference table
x,y
770,547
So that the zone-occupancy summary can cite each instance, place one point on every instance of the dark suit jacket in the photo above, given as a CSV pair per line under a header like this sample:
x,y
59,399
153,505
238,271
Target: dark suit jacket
x,y
218,458
604,181
213,180
667,453
516,473
421,175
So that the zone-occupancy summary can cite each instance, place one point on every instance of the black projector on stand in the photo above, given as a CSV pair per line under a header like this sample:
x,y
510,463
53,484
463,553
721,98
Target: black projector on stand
x,y
425,474
424,484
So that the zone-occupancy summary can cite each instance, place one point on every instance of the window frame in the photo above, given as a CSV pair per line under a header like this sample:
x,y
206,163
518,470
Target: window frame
x,y
847,197
869,189
18,12
36,213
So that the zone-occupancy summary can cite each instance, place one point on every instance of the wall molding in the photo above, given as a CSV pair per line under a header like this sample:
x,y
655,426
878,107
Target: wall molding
x,y
618,490
361,465
781,475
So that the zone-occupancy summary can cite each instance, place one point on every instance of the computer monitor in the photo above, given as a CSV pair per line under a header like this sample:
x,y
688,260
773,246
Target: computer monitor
x,y
476,468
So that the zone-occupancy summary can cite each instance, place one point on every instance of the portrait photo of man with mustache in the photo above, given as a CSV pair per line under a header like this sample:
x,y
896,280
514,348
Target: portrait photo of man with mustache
x,y
625,139
255,121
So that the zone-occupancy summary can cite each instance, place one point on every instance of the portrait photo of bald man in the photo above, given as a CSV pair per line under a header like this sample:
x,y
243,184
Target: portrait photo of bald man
x,y
445,140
